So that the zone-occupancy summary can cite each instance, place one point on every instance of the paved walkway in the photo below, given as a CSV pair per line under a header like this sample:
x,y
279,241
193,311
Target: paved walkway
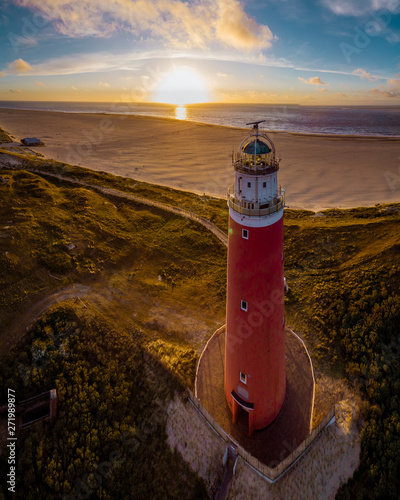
x,y
291,427
228,474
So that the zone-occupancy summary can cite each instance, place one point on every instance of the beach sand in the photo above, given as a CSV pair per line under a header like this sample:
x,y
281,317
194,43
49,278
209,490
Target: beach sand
x,y
317,172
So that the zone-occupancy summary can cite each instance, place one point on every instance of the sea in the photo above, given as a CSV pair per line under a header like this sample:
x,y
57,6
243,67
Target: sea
x,y
336,120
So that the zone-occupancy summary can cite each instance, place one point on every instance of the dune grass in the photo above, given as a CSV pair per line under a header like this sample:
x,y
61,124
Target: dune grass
x,y
4,137
342,268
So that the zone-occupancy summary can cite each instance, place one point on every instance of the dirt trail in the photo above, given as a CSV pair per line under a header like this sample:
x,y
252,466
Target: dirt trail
x,y
19,327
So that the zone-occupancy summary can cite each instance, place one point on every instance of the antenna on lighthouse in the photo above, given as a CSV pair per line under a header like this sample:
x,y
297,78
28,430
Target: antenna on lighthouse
x,y
255,124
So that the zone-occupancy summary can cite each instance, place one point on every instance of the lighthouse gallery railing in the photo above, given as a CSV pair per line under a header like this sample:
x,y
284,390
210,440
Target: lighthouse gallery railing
x,y
242,206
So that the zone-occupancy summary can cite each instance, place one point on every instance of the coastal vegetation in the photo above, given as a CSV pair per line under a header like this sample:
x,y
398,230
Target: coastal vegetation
x,y
343,267
109,439
113,375
114,370
4,137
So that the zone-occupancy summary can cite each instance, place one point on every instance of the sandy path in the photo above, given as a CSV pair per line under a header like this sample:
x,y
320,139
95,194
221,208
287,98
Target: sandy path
x,y
316,171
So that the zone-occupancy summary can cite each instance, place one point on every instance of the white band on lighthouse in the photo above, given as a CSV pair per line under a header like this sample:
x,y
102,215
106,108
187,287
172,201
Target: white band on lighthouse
x,y
247,221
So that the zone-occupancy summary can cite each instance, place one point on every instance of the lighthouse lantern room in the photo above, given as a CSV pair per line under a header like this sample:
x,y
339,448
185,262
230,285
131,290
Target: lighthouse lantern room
x,y
255,369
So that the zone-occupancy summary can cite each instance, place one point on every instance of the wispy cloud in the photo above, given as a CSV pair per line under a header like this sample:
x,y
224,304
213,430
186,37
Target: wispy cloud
x,y
390,89
135,62
104,84
83,63
364,74
315,80
141,64
2,75
15,91
176,23
39,83
20,66
358,8
224,75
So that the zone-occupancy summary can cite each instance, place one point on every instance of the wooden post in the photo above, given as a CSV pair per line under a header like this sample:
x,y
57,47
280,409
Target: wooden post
x,y
53,406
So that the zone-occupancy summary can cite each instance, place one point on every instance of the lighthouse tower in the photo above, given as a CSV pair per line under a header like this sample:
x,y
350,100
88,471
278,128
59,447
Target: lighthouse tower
x,y
255,368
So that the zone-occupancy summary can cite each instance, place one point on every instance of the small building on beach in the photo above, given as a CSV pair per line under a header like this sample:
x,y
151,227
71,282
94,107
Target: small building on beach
x,y
31,141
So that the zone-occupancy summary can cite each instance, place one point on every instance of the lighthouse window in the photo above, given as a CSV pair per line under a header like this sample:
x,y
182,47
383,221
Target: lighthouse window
x,y
244,305
264,184
245,234
249,184
243,378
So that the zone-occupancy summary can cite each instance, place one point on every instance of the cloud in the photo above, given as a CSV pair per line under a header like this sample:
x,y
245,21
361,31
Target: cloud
x,y
390,89
135,62
2,75
316,80
322,90
177,23
364,74
74,88
39,83
235,28
224,75
15,91
358,8
145,63
20,66
104,84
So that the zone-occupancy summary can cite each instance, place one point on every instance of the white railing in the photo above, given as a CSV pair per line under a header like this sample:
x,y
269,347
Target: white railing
x,y
253,209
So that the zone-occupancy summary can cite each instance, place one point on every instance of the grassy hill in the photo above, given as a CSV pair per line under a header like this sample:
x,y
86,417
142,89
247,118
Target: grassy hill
x,y
343,267
144,258
156,291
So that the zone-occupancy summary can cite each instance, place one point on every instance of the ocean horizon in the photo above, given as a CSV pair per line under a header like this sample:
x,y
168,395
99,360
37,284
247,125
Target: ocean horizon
x,y
378,121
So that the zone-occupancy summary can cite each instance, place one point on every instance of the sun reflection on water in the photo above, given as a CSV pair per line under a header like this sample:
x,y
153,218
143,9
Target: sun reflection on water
x,y
181,112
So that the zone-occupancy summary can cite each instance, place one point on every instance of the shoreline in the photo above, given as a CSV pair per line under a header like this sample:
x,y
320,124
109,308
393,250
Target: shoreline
x,y
268,131
317,171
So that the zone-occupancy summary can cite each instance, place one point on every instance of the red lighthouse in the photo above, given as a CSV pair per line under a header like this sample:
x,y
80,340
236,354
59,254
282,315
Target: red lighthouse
x,y
255,368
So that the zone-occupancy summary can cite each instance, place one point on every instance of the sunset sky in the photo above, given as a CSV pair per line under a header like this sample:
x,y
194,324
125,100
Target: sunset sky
x,y
272,51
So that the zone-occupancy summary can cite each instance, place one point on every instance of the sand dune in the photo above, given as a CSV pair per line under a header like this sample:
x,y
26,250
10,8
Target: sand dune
x,y
317,172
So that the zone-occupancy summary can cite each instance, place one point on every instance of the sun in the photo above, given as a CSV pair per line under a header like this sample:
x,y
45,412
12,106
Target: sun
x,y
182,86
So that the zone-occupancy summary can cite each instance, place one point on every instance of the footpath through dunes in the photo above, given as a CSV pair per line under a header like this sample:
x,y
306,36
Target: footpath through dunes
x,y
223,237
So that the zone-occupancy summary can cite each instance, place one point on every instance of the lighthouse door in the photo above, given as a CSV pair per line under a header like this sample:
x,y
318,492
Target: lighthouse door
x,y
239,403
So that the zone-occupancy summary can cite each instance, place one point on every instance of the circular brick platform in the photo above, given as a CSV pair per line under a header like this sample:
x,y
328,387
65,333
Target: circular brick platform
x,y
274,443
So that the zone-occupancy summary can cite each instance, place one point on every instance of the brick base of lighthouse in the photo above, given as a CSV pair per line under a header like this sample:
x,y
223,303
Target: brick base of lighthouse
x,y
292,425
